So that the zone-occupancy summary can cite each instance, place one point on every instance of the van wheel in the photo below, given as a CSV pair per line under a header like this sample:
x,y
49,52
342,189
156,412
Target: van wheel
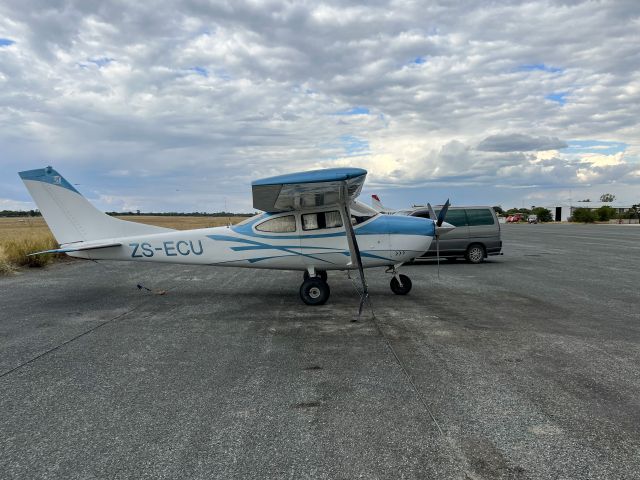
x,y
475,254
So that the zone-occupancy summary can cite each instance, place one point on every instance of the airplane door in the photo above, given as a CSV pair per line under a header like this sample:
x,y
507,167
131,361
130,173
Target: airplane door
x,y
323,240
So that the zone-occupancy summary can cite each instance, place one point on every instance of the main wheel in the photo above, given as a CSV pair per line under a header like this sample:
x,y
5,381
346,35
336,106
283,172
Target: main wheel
x,y
314,291
475,254
319,273
401,290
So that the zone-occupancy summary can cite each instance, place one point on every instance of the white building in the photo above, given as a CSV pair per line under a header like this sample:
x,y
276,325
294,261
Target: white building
x,y
562,212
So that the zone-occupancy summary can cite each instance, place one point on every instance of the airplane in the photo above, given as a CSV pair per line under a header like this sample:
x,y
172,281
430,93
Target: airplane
x,y
312,222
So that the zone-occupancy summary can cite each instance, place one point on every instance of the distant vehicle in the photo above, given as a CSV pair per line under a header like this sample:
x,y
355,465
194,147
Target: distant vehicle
x,y
515,218
477,233
476,236
532,219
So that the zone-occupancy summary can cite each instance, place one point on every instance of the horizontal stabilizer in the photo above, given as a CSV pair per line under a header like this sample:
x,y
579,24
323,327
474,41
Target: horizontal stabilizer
x,y
79,248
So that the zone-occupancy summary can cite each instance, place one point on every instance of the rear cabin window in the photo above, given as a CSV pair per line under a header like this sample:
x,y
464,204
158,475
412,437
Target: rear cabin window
x,y
284,224
479,216
321,220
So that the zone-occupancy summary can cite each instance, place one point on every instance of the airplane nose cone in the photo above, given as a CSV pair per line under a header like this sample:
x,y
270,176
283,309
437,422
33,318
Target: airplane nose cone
x,y
444,228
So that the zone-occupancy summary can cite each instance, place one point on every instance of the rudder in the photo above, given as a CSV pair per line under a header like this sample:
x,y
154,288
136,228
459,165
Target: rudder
x,y
70,216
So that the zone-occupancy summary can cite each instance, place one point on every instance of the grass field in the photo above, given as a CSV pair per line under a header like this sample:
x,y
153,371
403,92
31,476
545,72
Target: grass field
x,y
24,235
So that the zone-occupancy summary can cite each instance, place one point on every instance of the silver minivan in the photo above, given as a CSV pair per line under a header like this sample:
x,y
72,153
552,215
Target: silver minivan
x,y
476,236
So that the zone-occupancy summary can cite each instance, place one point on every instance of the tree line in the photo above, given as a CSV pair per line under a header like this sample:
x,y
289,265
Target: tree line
x,y
36,213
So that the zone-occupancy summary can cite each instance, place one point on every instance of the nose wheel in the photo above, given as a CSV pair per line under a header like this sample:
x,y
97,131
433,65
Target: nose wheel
x,y
400,284
314,291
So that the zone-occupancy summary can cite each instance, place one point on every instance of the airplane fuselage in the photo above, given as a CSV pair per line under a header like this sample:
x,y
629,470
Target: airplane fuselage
x,y
383,240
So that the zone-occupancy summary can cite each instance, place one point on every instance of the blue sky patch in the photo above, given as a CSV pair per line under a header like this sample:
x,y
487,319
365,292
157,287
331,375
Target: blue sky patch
x,y
418,61
559,97
354,146
100,61
354,111
596,146
5,42
199,71
539,67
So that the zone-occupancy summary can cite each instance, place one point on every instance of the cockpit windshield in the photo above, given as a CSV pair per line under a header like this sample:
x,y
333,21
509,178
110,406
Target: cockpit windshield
x,y
402,212
361,212
250,219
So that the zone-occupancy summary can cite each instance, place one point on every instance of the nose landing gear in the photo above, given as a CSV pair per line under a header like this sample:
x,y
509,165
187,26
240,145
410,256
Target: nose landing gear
x,y
400,284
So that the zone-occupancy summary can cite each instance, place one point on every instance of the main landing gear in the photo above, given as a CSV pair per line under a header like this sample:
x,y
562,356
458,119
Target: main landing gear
x,y
315,289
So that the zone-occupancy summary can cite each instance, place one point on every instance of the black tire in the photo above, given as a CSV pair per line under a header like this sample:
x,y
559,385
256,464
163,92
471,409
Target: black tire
x,y
401,290
314,291
475,253
322,274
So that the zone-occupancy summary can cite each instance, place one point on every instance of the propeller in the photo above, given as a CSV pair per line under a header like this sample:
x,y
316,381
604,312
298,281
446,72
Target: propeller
x,y
442,214
354,249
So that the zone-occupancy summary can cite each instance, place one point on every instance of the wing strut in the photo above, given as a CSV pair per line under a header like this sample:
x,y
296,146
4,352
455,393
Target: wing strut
x,y
354,249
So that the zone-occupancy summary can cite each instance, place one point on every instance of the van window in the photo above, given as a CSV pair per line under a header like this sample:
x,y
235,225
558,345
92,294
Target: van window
x,y
479,216
457,218
278,225
321,220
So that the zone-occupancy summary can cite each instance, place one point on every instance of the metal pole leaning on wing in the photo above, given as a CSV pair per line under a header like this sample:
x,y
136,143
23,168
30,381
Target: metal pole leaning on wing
x,y
442,214
354,249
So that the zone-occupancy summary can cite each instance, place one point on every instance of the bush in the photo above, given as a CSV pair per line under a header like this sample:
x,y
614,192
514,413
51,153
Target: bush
x,y
605,213
544,214
584,215
13,252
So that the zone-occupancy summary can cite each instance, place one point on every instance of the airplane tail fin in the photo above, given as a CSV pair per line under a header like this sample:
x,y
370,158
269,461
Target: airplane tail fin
x,y
70,216
377,204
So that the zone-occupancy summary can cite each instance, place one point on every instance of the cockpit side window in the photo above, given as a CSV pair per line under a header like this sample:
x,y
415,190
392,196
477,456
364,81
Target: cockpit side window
x,y
286,224
321,220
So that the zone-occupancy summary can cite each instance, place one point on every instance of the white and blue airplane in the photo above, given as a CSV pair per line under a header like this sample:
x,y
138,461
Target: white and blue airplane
x,y
312,222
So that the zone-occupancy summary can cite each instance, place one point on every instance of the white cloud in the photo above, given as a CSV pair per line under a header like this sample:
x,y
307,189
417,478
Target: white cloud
x,y
233,91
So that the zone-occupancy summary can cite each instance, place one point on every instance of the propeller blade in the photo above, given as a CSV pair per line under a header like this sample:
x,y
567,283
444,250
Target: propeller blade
x,y
432,213
354,249
443,213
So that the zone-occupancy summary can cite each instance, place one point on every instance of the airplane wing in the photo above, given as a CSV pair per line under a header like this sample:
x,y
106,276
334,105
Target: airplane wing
x,y
314,188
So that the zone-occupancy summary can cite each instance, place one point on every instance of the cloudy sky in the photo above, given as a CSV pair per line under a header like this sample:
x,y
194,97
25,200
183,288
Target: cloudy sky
x,y
179,105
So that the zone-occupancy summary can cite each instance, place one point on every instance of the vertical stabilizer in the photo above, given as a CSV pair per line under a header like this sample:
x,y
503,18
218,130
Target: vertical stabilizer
x,y
70,216
377,204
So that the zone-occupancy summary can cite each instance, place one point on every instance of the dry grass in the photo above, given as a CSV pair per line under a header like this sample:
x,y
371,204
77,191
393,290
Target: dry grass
x,y
21,236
